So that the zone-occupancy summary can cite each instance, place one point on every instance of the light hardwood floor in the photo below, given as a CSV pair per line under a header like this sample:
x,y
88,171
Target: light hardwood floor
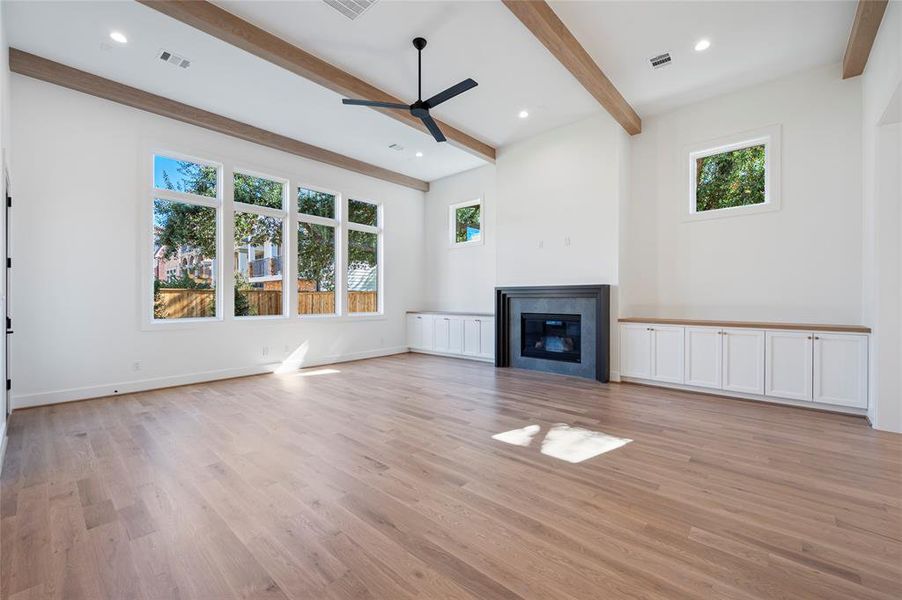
x,y
380,479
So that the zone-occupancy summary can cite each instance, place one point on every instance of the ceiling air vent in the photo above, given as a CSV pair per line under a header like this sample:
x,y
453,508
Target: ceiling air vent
x,y
350,8
661,60
174,59
396,147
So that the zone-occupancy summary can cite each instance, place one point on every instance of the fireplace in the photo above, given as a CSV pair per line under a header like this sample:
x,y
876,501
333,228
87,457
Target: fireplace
x,y
562,329
550,336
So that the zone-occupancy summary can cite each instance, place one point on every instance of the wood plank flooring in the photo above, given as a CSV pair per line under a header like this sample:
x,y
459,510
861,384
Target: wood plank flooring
x,y
380,479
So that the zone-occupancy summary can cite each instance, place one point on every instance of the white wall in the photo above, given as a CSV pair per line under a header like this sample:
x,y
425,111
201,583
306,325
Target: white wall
x,y
462,278
78,192
4,151
801,263
882,197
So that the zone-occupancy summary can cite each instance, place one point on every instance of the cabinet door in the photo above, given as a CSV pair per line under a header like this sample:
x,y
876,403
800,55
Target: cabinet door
x,y
667,353
413,331
703,357
635,350
788,359
841,369
424,329
486,337
456,336
441,341
471,336
743,360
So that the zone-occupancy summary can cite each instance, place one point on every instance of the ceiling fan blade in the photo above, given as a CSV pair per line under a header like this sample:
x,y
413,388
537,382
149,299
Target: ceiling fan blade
x,y
454,90
432,126
373,103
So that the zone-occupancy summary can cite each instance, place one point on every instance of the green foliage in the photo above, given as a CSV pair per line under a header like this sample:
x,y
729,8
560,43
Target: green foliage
x,y
362,249
730,179
257,229
242,305
320,204
187,225
196,179
257,191
316,255
363,213
185,282
464,218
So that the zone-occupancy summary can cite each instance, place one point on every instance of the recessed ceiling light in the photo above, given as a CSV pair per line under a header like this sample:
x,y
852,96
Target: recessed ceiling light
x,y
419,155
702,45
523,114
118,37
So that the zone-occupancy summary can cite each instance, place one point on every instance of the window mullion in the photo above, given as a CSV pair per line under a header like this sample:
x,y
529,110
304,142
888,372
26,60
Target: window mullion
x,y
227,245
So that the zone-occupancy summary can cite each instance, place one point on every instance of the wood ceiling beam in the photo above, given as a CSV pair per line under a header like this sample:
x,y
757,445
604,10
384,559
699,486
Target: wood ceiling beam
x,y
37,67
231,29
864,29
542,21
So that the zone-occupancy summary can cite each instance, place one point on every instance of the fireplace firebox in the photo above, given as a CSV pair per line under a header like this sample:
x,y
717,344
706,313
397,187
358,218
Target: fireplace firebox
x,y
551,336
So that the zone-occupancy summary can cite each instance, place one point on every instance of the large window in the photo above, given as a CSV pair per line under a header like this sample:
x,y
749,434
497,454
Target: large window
x,y
316,252
735,175
186,203
237,257
259,228
364,232
466,223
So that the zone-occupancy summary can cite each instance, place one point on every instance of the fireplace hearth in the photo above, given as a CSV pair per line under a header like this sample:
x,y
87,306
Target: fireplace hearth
x,y
559,329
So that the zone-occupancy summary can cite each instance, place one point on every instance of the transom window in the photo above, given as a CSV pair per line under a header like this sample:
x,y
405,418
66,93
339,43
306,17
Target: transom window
x,y
735,175
465,221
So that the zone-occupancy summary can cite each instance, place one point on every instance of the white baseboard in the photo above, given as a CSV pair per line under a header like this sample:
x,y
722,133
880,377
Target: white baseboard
x,y
860,412
142,385
452,355
614,376
3,442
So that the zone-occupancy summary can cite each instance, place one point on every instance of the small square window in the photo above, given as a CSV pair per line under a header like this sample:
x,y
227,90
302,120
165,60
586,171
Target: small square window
x,y
184,176
735,175
258,191
363,213
466,223
317,204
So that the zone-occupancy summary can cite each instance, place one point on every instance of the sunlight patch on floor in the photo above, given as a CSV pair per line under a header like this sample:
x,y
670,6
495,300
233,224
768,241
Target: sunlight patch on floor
x,y
315,372
572,444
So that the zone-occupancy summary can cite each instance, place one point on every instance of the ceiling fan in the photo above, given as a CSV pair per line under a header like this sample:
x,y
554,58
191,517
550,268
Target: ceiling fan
x,y
420,108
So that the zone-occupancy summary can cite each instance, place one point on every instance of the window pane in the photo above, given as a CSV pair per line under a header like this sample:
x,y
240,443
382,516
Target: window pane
x,y
258,265
258,191
316,269
363,213
184,261
466,224
730,179
363,274
184,176
319,204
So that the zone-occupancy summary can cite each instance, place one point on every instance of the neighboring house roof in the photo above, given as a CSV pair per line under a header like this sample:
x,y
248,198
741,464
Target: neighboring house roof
x,y
362,278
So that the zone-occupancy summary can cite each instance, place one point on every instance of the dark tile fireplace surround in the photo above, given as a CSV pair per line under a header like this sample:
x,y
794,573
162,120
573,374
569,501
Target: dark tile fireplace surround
x,y
560,329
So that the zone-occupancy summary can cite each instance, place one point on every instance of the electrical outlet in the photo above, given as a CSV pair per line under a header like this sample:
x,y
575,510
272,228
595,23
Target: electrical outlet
x,y
265,350
541,243
566,241
136,366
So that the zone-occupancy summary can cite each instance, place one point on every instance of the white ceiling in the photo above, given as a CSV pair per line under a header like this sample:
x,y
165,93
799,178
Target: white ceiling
x,y
751,42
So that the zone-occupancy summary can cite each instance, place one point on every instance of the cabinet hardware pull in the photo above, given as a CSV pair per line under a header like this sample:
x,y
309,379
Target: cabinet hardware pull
x,y
817,337
809,337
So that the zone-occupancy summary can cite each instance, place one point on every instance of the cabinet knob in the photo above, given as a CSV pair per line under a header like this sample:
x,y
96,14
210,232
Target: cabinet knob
x,y
810,337
817,337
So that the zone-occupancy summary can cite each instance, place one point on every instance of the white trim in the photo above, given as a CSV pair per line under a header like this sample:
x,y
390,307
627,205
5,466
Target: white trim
x,y
743,396
452,224
3,440
141,385
770,138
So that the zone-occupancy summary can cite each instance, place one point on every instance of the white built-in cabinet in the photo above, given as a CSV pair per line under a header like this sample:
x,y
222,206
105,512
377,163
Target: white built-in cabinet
x,y
462,335
828,368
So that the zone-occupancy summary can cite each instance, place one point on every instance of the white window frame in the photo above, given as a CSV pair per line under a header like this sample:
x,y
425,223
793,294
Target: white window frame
x,y
264,211
146,270
335,223
348,226
452,224
770,138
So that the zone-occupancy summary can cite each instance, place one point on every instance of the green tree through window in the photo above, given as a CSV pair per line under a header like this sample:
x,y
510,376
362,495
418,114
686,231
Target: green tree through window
x,y
730,179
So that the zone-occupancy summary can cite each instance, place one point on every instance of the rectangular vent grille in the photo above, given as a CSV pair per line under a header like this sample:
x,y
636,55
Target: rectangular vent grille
x,y
350,8
396,147
661,60
174,59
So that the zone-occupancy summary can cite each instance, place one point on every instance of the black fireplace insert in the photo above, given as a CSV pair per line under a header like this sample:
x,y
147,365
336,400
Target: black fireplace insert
x,y
551,336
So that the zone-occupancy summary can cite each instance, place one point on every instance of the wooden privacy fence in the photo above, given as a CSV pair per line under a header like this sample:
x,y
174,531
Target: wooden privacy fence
x,y
176,303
